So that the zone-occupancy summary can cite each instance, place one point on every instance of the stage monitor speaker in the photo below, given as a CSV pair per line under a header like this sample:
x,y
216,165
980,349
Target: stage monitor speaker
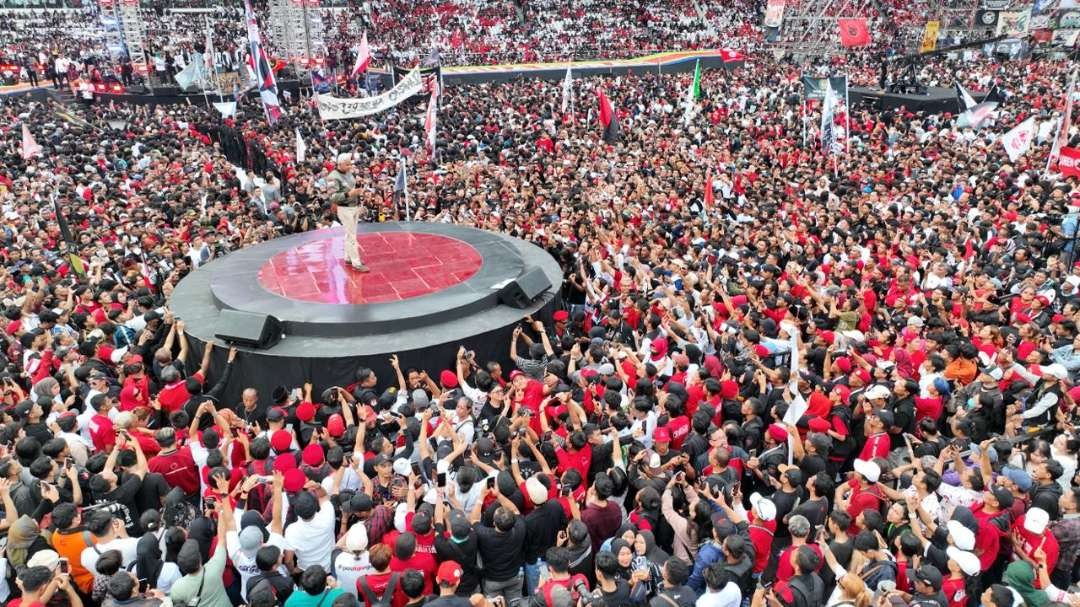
x,y
260,331
137,89
525,289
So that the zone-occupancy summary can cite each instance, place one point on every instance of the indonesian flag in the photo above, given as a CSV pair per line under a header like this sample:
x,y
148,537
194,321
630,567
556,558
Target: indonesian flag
x,y
853,32
730,56
608,120
1018,140
363,58
1069,162
431,119
30,147
1062,136
709,195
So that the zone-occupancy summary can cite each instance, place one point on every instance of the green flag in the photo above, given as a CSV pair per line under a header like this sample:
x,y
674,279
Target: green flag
x,y
695,86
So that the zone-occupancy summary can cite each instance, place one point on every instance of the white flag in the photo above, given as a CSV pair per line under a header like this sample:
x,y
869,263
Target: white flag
x,y
432,118
965,97
30,147
363,58
975,116
227,108
567,91
1018,140
301,147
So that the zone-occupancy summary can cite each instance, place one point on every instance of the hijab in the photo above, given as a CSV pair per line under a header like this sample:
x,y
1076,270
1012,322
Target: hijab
x,y
617,545
1021,577
200,531
20,537
654,553
148,562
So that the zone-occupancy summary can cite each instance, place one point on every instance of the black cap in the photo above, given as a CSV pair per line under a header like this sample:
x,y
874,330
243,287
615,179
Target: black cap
x,y
929,575
280,395
1003,496
964,516
275,414
886,417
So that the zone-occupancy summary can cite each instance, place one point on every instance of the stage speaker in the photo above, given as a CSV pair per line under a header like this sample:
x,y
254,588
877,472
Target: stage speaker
x,y
260,331
525,289
137,89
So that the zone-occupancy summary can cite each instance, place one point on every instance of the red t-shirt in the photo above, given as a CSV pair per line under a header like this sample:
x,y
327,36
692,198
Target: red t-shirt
x,y
955,591
579,460
761,535
377,583
679,427
420,561
876,446
101,432
784,570
862,499
178,468
175,395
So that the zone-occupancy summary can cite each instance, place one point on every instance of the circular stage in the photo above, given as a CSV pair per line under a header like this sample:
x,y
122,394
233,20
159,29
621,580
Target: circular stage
x,y
431,287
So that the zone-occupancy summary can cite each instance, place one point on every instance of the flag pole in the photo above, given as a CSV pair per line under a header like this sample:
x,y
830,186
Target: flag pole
x,y
847,117
405,190
1066,115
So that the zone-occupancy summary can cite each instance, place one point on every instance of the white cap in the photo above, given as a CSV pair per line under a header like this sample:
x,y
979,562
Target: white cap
x,y
969,563
962,537
1036,520
344,158
356,539
402,467
1056,370
868,469
536,491
654,460
877,391
766,509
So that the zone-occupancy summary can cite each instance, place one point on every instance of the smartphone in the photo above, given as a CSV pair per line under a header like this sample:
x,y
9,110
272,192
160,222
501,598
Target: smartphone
x,y
69,463
416,468
440,478
546,437
64,566
491,482
565,491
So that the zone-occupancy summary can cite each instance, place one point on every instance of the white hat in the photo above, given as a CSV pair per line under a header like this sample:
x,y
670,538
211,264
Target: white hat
x,y
402,467
962,537
431,496
868,469
654,460
969,563
766,509
1056,370
877,391
345,157
536,491
44,558
356,539
1036,520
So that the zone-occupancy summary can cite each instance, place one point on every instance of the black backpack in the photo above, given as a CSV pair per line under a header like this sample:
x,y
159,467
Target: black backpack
x,y
388,595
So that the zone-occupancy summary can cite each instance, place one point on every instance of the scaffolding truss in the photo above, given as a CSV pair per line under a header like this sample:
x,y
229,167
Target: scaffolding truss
x,y
810,26
296,29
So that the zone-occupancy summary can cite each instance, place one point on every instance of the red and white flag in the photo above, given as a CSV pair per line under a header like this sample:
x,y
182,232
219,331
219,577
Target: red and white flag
x,y
431,119
1069,162
731,56
1018,140
363,58
30,147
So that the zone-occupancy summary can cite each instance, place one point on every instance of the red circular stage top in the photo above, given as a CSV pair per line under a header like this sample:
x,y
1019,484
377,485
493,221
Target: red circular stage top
x,y
402,265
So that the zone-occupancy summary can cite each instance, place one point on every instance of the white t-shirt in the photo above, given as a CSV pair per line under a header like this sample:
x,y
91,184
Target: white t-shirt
x,y
313,541
168,575
244,563
348,568
728,596
128,547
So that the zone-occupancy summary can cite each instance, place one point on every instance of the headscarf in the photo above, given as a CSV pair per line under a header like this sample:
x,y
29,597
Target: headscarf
x,y
617,545
148,561
653,552
44,388
20,537
1021,577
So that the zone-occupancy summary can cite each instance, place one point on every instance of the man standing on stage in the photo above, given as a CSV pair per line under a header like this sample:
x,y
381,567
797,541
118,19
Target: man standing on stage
x,y
341,184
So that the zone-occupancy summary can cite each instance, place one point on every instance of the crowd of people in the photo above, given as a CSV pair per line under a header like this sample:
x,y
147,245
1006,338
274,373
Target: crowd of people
x,y
776,376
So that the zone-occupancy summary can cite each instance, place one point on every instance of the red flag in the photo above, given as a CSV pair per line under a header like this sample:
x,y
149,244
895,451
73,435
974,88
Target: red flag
x,y
709,200
730,56
608,120
1069,162
853,32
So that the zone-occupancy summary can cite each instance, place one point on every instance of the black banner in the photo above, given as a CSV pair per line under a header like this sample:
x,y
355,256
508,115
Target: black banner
x,y
986,18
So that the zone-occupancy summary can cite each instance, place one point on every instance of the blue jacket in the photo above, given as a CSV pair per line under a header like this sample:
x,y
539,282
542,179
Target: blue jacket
x,y
708,554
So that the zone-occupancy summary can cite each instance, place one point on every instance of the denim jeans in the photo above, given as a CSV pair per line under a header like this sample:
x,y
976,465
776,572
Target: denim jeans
x,y
508,589
533,573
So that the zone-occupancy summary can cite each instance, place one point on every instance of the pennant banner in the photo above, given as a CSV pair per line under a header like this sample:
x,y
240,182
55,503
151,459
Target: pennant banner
x,y
338,108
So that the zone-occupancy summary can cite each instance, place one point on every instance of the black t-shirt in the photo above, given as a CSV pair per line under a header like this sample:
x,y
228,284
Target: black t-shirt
x,y
448,601
152,492
542,526
39,431
620,596
501,552
121,502
785,503
464,553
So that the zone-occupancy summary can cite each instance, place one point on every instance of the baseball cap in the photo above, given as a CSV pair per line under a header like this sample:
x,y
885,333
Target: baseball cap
x,y
305,412
251,539
869,470
929,575
1036,520
281,440
449,573
962,537
661,435
294,480
335,425
275,414
877,391
766,509
44,558
969,563
1003,496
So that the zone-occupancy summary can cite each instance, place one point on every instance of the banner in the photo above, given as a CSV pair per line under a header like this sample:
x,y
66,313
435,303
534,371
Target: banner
x,y
1069,162
1014,24
996,5
814,88
929,39
853,32
335,108
1065,37
774,13
986,18
227,108
1068,20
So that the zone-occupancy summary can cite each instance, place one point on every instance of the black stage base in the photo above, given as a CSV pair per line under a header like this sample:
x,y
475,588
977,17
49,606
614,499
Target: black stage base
x,y
325,342
937,100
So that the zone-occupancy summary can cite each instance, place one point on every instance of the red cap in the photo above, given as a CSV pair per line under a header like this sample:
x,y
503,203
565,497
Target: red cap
x,y
761,350
729,389
844,392
284,464
448,379
828,336
844,364
818,424
661,435
305,412
658,347
335,425
281,441
449,573
515,374
313,455
864,375
561,316
778,433
294,480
